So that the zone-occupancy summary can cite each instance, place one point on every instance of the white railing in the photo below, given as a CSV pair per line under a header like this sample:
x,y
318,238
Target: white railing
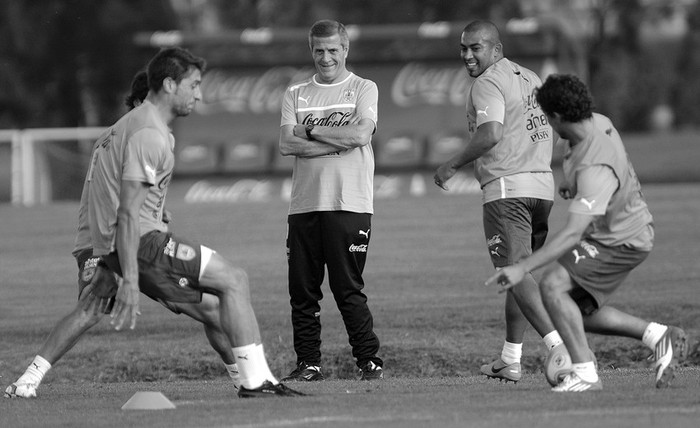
x,y
29,177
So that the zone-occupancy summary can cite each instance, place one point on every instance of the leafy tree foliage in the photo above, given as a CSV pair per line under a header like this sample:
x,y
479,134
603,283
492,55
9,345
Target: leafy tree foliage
x,y
69,62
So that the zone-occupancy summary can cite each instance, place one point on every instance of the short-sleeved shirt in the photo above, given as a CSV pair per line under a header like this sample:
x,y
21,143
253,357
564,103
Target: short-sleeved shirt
x,y
139,147
603,183
341,181
83,240
520,164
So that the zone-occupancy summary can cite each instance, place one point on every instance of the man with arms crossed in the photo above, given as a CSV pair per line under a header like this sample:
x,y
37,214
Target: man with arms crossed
x,y
609,231
327,124
511,146
121,223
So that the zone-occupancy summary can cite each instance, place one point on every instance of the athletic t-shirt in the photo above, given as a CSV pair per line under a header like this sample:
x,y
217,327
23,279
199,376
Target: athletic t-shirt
x,y
519,164
341,181
83,241
139,147
614,195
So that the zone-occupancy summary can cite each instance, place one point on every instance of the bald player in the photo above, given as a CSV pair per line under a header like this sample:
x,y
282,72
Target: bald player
x,y
609,231
511,147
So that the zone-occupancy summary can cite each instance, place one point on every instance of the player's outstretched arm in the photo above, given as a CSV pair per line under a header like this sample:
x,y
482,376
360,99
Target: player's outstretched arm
x,y
126,306
486,136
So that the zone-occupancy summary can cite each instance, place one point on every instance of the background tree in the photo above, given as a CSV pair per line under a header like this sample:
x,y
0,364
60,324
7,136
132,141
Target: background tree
x,y
69,62
686,89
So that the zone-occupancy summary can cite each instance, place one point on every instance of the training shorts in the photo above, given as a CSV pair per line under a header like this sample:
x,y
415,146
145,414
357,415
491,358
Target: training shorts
x,y
88,267
169,268
515,227
597,271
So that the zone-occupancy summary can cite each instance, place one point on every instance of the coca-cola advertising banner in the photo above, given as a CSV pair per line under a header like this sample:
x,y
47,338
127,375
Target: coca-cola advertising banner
x,y
419,98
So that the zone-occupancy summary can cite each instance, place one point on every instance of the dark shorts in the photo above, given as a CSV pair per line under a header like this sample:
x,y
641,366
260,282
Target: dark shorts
x,y
168,268
87,263
88,267
598,270
515,227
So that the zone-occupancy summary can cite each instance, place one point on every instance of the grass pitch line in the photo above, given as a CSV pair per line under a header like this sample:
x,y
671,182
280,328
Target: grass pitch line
x,y
340,418
622,411
148,400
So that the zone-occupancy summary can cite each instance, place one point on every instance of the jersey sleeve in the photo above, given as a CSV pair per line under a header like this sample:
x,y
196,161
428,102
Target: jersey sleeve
x,y
289,115
367,102
489,102
143,156
595,186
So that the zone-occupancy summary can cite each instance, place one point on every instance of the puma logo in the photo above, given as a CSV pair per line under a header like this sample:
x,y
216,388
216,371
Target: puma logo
x,y
587,203
578,257
306,100
366,234
478,112
243,357
495,252
150,170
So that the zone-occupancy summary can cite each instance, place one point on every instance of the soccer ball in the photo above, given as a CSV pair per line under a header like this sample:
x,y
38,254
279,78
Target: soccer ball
x,y
558,364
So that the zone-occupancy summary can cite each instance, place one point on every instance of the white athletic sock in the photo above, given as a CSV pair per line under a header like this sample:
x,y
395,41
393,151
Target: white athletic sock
x,y
270,376
36,371
552,339
232,370
252,366
586,371
653,333
512,352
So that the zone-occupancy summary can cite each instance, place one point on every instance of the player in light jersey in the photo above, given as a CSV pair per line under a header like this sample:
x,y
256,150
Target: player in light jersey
x,y
122,205
511,147
609,231
327,125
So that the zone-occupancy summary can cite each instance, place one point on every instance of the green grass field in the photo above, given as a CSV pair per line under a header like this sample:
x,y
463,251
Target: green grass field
x,y
436,320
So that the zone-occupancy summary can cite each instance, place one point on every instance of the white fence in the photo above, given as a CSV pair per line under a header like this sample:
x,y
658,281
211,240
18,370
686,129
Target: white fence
x,y
30,182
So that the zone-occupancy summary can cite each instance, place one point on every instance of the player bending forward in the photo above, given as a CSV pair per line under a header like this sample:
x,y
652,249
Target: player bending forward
x,y
609,231
121,233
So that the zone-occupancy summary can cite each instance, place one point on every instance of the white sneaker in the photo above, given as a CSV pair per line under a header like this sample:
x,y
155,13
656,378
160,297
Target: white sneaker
x,y
573,383
23,390
671,350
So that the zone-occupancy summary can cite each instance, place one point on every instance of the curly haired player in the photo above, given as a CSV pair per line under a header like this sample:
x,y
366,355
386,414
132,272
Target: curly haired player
x,y
609,231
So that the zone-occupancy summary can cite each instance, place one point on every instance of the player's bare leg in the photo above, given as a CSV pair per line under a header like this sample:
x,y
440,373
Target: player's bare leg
x,y
207,312
529,301
516,323
239,324
523,307
568,320
87,313
669,343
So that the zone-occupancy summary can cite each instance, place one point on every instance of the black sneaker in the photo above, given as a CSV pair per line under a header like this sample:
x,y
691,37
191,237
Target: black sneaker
x,y
267,389
304,373
371,371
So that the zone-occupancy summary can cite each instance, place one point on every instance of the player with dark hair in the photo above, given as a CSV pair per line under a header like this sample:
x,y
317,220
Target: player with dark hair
x,y
511,147
609,231
327,125
139,90
124,247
